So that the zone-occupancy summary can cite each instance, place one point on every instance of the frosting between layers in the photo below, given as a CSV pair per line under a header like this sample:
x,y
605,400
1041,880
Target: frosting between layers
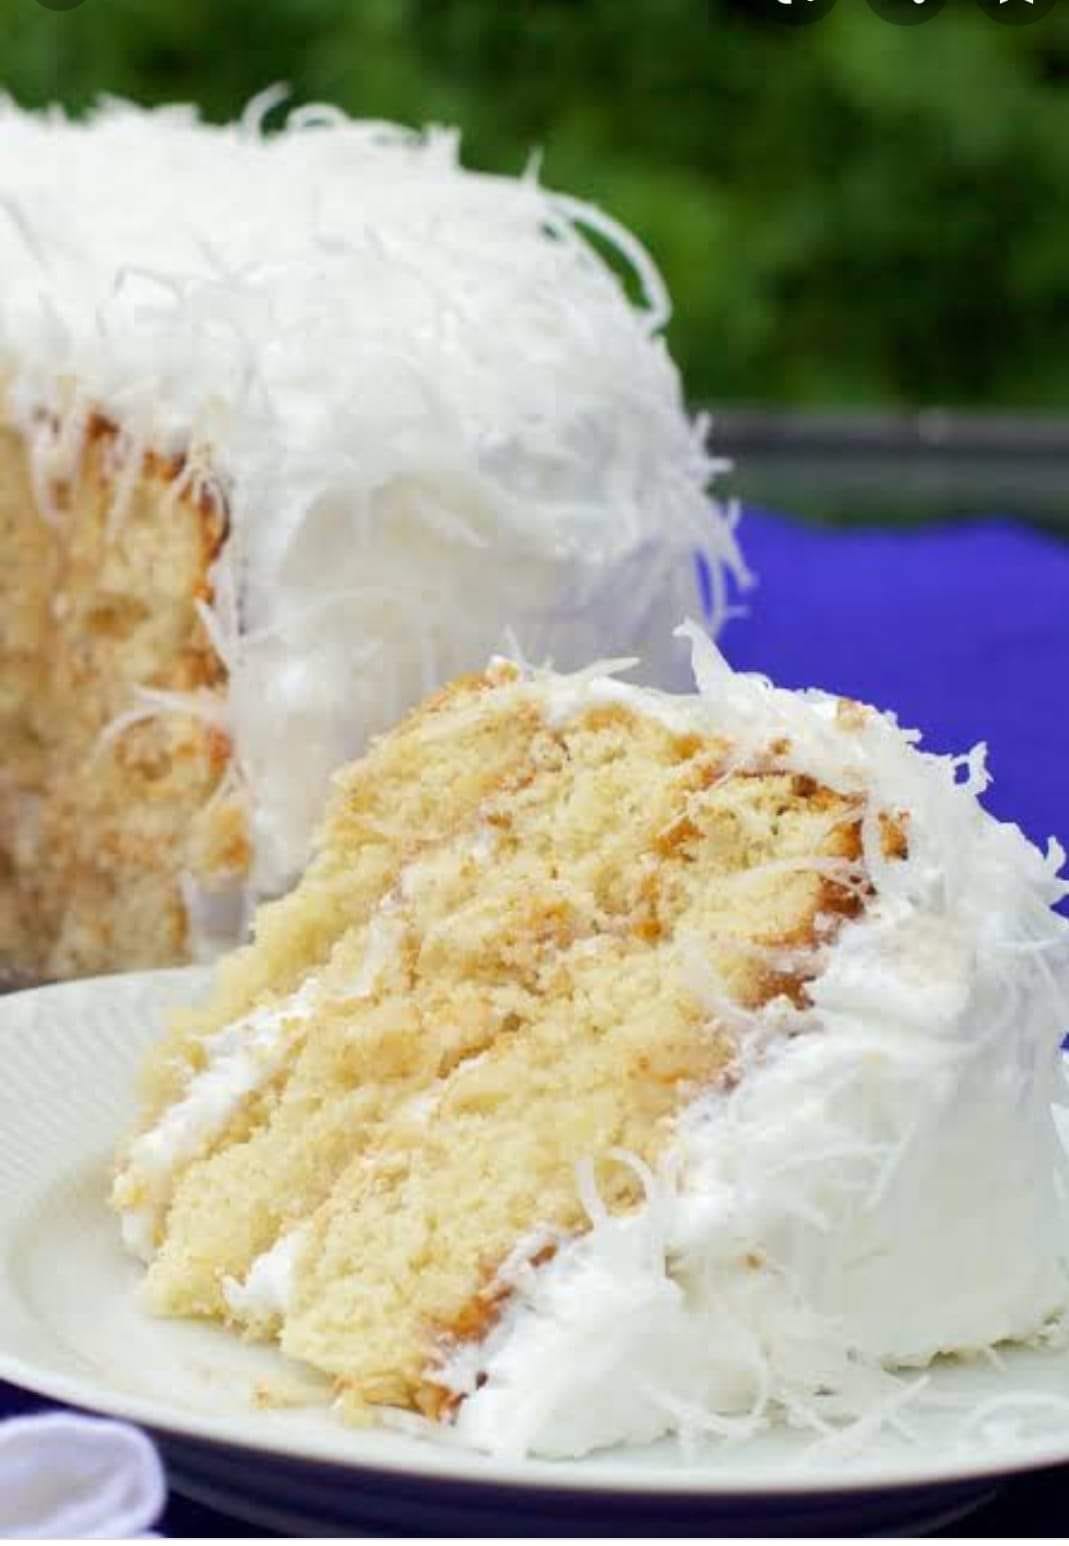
x,y
242,1058
268,1286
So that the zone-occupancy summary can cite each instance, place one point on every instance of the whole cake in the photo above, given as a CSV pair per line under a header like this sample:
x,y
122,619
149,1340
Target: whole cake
x,y
625,1063
291,426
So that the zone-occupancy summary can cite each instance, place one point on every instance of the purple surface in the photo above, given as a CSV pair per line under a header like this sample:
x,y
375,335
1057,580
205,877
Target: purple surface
x,y
964,632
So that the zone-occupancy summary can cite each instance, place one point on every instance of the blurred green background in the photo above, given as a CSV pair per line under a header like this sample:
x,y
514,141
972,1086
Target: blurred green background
x,y
850,213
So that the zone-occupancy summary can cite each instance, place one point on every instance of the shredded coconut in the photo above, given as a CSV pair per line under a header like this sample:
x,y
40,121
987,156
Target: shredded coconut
x,y
420,384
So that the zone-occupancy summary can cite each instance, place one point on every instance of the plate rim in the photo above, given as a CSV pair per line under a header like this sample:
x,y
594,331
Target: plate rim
x,y
461,1467
454,1465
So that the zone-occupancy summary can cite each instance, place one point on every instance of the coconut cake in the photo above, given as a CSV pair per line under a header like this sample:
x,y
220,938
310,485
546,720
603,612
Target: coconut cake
x,y
624,1063
292,425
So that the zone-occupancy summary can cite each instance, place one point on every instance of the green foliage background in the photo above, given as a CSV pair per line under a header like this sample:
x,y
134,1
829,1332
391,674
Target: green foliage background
x,y
850,212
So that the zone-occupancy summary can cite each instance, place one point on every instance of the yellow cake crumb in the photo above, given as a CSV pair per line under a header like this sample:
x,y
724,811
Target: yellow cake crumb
x,y
97,829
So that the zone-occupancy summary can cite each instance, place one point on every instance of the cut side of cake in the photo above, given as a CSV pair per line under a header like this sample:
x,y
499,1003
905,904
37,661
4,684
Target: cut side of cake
x,y
623,1063
104,808
293,426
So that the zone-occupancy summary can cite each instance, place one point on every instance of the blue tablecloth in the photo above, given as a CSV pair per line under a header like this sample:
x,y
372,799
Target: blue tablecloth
x,y
964,631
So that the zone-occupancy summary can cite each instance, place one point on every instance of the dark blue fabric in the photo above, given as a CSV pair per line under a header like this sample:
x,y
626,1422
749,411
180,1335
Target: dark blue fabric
x,y
964,632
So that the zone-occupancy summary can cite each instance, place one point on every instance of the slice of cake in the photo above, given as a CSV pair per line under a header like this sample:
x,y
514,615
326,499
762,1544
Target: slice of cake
x,y
625,1062
291,426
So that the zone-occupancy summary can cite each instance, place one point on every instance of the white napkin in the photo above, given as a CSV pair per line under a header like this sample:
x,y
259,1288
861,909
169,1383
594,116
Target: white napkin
x,y
62,1475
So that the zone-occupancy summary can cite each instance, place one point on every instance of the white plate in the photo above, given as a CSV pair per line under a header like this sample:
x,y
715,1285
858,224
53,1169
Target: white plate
x,y
70,1328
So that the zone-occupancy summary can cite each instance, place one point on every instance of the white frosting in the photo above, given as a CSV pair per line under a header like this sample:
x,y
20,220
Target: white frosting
x,y
884,1182
427,400
384,935
138,1228
268,1286
241,1058
564,697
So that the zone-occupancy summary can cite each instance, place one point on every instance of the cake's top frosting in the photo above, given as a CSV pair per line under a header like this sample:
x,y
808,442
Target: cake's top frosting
x,y
429,403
